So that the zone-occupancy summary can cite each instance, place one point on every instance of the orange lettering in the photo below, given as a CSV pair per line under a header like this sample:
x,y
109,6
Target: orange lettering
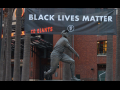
x,y
45,29
51,29
34,31
31,31
48,29
38,31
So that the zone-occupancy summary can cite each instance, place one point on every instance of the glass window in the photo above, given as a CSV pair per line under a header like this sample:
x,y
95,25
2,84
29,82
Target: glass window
x,y
101,47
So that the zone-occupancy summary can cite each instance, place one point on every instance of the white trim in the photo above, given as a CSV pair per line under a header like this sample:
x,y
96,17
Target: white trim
x,y
101,55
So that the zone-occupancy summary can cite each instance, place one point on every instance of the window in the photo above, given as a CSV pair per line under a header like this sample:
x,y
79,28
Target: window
x,y
101,47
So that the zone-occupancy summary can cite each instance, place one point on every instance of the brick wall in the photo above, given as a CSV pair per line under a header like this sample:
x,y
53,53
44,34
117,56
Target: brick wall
x,y
86,47
34,66
114,55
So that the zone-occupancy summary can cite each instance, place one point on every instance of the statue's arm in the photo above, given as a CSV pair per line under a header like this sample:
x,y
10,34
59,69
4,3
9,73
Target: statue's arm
x,y
67,45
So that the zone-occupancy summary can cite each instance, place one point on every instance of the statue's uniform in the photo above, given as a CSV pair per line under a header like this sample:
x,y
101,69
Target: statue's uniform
x,y
58,55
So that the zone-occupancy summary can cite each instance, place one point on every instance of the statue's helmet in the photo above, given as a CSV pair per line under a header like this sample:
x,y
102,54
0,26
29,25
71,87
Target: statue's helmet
x,y
65,33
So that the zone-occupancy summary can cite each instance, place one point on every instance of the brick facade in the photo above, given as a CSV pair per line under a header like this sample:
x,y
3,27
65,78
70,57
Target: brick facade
x,y
34,65
86,47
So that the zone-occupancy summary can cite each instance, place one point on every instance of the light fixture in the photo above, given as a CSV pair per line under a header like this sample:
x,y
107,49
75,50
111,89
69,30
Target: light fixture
x,y
92,69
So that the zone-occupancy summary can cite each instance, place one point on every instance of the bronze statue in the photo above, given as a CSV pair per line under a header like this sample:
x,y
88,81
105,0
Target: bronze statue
x,y
58,55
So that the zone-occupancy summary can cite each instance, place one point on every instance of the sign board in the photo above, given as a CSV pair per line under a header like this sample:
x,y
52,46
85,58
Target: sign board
x,y
82,21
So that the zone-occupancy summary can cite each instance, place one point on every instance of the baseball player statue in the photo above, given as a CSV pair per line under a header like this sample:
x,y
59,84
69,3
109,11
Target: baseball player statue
x,y
59,55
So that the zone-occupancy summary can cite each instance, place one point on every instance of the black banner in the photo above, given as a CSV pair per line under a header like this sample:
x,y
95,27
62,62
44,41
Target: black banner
x,y
83,21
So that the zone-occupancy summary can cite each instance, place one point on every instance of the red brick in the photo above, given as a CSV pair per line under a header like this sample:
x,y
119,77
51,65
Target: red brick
x,y
86,47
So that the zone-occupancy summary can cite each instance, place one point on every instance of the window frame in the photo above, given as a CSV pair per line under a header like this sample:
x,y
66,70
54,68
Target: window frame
x,y
101,48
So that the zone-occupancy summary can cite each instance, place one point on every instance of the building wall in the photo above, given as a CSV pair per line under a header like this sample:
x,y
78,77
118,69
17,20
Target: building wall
x,y
34,66
114,55
86,47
